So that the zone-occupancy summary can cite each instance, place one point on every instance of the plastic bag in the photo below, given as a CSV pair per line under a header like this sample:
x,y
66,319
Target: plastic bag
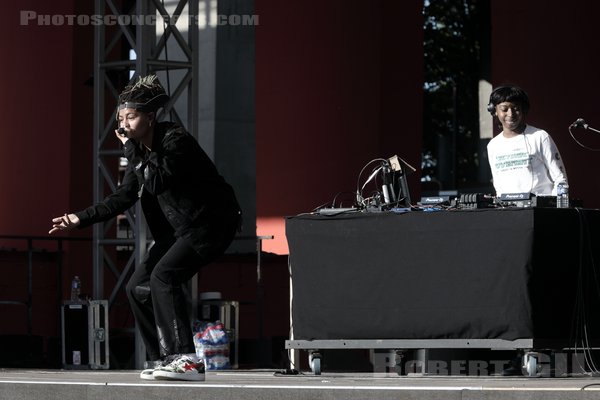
x,y
212,345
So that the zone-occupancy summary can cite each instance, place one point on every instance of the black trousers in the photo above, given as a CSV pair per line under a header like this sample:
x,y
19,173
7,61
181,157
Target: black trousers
x,y
156,290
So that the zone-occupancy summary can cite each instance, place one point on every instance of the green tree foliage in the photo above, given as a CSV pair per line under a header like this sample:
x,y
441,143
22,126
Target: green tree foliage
x,y
453,68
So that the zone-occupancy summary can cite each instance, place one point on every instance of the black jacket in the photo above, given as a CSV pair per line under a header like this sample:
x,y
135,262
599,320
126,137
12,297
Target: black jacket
x,y
181,191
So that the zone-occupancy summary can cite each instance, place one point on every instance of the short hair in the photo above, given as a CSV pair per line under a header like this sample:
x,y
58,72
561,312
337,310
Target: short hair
x,y
513,94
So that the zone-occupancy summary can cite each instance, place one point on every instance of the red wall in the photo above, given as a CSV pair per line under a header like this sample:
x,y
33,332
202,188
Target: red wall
x,y
338,83
45,157
45,162
35,107
552,53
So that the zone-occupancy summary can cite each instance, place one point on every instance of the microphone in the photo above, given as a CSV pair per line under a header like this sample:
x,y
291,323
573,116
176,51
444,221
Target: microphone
x,y
388,188
122,131
579,122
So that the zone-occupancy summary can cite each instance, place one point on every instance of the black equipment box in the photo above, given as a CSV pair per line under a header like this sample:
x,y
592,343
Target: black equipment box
x,y
474,201
525,200
85,334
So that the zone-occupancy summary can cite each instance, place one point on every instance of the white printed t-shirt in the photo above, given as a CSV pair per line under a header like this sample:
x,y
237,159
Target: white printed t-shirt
x,y
527,163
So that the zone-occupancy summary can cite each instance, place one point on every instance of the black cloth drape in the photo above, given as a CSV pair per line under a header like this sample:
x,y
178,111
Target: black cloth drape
x,y
484,274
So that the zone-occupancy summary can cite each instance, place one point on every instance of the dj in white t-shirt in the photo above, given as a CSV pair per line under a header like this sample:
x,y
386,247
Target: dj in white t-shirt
x,y
523,159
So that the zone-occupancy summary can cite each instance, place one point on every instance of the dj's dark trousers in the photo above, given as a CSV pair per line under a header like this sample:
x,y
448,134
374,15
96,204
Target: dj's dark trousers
x,y
157,297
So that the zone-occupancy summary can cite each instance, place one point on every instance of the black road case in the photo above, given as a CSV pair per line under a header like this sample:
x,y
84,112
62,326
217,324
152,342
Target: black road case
x,y
85,334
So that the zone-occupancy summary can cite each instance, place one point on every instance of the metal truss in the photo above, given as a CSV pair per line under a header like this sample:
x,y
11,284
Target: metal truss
x,y
137,37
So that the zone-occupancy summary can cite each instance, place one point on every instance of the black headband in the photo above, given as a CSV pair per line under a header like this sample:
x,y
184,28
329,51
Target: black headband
x,y
151,105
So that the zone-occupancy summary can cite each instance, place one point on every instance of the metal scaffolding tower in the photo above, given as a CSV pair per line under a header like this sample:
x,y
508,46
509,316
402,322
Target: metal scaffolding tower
x,y
137,37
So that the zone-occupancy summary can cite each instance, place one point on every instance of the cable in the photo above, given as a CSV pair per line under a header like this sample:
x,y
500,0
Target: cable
x,y
579,143
333,202
529,160
580,334
585,237
336,196
321,206
292,370
360,201
589,385
371,177
580,331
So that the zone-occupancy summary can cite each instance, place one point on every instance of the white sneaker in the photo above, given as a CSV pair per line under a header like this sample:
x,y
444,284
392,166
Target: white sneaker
x,y
150,366
182,368
147,374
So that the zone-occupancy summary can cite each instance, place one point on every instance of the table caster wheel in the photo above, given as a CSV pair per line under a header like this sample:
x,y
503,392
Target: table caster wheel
x,y
314,360
530,365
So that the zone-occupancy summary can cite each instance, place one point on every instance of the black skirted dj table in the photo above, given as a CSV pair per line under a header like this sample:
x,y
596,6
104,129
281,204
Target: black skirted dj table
x,y
440,277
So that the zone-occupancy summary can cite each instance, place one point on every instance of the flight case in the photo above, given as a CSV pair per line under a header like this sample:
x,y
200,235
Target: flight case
x,y
85,334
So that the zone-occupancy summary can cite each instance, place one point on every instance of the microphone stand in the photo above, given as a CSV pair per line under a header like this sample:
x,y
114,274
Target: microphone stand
x,y
581,123
589,128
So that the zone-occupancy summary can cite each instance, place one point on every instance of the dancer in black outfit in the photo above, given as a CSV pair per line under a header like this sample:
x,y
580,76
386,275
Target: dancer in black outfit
x,y
192,214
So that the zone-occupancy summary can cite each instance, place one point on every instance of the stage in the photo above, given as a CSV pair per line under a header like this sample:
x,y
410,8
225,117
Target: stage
x,y
521,262
18,384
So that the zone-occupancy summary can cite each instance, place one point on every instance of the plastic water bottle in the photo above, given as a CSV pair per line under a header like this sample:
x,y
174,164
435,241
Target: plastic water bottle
x,y
76,357
75,288
562,195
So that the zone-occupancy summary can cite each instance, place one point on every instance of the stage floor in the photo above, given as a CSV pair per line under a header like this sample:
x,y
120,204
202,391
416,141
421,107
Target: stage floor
x,y
17,384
